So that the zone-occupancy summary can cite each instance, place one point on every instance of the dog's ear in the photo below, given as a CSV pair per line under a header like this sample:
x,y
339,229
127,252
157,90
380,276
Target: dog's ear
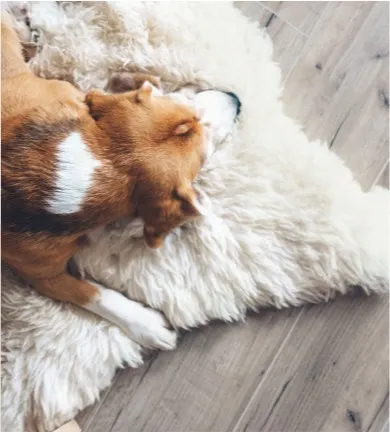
x,y
146,91
188,198
169,214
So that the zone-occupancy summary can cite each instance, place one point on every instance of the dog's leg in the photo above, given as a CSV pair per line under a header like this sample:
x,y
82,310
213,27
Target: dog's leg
x,y
42,261
146,326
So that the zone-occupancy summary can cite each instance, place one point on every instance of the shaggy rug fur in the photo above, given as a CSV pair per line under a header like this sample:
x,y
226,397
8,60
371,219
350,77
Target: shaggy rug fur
x,y
286,222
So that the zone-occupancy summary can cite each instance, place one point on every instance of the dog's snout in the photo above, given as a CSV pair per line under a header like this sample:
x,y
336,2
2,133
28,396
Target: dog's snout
x,y
236,101
218,110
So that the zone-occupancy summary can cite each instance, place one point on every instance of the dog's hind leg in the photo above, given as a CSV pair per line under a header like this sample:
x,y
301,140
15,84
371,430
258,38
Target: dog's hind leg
x,y
146,326
42,261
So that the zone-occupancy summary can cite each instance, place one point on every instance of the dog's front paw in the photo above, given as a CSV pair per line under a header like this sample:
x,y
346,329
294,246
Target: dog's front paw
x,y
151,330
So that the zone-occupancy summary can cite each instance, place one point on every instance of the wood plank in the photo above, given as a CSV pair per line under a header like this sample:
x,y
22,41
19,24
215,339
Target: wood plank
x,y
107,408
200,386
302,15
85,417
331,375
340,85
386,427
317,394
288,42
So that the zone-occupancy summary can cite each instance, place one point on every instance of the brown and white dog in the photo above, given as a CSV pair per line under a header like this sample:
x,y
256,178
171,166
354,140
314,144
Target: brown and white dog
x,y
72,162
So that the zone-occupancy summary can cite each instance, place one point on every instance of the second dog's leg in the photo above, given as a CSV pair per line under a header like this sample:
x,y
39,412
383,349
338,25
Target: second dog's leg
x,y
146,326
127,81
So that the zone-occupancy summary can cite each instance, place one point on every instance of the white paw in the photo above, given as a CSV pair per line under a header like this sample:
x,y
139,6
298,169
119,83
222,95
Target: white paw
x,y
146,326
150,330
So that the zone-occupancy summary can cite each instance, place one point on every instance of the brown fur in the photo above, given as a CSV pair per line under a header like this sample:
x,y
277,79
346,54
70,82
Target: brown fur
x,y
150,150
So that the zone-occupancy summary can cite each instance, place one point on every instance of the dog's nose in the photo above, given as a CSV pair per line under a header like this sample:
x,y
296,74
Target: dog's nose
x,y
236,101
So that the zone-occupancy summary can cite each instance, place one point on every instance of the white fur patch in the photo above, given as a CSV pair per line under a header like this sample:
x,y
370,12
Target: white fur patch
x,y
143,325
217,111
75,168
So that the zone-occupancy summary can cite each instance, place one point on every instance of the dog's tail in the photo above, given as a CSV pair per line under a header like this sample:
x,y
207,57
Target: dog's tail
x,y
12,60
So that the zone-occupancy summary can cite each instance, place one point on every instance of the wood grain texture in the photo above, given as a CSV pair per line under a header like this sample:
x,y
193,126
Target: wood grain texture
x,y
318,368
288,42
339,89
212,374
331,375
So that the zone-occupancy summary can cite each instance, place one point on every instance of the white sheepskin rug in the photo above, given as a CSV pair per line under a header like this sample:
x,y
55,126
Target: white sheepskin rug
x,y
286,222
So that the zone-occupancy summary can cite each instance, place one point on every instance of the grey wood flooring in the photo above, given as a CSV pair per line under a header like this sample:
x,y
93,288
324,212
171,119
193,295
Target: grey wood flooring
x,y
315,368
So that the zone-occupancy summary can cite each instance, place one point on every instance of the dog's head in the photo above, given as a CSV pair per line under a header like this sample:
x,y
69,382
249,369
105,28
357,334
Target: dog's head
x,y
162,144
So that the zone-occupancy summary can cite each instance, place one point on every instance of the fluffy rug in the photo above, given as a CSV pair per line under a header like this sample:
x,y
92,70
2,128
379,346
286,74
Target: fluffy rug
x,y
286,222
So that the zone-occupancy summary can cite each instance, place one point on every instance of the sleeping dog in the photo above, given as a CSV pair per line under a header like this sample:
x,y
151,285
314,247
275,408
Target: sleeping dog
x,y
72,162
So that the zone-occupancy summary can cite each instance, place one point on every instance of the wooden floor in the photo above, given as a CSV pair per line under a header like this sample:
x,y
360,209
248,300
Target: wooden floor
x,y
317,368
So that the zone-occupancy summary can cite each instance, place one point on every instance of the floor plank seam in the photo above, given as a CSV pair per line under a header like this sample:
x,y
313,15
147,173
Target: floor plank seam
x,y
276,402
299,56
382,170
284,20
151,361
362,30
269,369
386,398
338,129
97,405
386,427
